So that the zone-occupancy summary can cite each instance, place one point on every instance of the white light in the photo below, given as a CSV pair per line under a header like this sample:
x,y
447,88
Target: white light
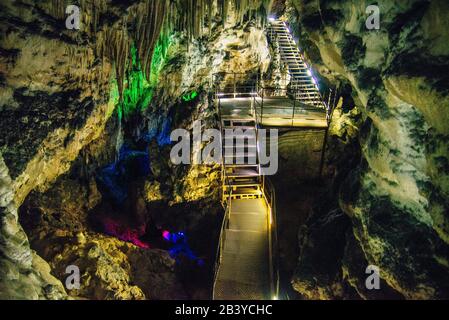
x,y
313,80
309,73
288,30
271,19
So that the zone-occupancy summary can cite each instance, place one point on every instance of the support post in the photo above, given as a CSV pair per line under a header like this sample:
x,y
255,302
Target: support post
x,y
329,120
235,86
261,108
323,152
257,82
293,113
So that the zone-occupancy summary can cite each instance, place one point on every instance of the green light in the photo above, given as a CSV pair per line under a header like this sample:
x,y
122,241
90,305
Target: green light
x,y
159,56
138,91
190,96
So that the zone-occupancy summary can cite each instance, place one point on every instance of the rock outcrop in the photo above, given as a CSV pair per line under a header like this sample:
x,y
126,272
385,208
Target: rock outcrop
x,y
23,274
397,197
63,100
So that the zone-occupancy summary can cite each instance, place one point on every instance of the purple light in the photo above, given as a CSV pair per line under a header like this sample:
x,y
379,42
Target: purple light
x,y
125,233
166,235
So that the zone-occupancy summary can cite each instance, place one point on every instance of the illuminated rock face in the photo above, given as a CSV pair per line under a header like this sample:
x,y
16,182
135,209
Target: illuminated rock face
x,y
397,199
63,120
23,274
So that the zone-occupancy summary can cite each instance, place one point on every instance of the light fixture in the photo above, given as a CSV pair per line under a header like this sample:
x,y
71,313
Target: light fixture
x,y
309,73
271,19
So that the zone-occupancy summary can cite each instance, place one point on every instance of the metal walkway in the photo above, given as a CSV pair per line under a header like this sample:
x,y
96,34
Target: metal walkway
x,y
244,255
244,269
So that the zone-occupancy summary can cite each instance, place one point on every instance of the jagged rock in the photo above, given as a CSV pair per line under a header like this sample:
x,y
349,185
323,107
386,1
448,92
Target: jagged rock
x,y
113,269
103,265
397,197
60,89
354,265
154,272
23,274
153,191
322,242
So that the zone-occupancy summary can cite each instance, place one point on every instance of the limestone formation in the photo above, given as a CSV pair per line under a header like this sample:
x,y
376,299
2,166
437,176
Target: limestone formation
x,y
396,198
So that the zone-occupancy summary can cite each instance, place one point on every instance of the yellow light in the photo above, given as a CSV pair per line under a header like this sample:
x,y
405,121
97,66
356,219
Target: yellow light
x,y
270,217
275,297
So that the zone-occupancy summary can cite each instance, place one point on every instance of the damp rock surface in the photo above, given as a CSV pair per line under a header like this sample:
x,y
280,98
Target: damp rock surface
x,y
396,196
67,104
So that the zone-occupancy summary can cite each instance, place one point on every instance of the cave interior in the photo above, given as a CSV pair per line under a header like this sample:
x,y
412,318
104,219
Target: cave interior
x,y
92,92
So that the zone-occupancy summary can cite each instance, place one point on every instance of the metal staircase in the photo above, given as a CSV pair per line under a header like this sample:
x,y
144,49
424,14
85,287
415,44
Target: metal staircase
x,y
246,262
241,169
302,81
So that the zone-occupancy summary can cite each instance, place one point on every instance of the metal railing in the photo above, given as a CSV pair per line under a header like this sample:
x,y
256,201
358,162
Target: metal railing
x,y
287,110
221,240
270,199
226,202
300,94
257,91
236,84
253,86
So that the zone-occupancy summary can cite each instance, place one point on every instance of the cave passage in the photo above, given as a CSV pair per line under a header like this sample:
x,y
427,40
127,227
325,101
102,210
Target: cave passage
x,y
224,150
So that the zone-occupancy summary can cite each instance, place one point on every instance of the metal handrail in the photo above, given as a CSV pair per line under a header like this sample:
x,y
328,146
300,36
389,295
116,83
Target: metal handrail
x,y
227,209
295,85
221,240
257,89
321,103
270,198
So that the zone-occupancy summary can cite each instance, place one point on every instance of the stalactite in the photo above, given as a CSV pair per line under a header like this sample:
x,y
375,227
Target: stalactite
x,y
144,21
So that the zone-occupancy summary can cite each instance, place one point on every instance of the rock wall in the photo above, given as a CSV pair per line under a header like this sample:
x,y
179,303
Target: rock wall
x,y
59,98
299,155
397,197
23,274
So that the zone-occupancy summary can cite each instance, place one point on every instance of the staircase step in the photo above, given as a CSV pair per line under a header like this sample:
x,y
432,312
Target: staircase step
x,y
243,172
235,186
241,154
249,221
